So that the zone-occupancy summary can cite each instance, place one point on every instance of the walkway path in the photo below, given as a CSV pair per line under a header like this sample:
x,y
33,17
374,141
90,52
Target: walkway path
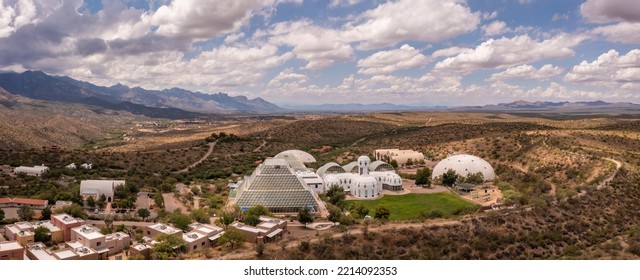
x,y
211,145
610,178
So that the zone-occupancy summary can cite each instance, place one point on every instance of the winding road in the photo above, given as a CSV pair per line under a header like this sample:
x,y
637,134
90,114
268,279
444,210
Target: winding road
x,y
211,145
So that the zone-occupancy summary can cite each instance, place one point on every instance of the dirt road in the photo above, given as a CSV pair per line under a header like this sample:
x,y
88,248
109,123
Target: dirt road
x,y
211,145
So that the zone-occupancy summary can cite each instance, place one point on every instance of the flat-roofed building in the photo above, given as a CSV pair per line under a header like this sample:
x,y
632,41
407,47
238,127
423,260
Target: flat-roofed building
x,y
155,230
140,250
32,171
39,252
66,222
22,236
91,237
83,252
97,188
6,202
11,250
117,242
13,231
268,230
212,232
195,240
66,254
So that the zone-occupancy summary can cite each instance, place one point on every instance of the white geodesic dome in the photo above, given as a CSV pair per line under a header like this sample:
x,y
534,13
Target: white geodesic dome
x,y
464,165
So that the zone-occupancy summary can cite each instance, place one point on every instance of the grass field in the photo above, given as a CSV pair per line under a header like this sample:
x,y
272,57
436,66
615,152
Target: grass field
x,y
417,206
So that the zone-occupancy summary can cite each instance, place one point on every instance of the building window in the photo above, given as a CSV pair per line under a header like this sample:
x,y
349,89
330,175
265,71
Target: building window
x,y
148,232
195,246
202,243
98,243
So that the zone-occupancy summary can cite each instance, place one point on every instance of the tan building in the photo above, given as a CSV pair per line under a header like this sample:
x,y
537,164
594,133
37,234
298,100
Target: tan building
x,y
140,250
117,242
400,156
39,252
84,252
155,230
6,202
91,237
268,230
66,222
11,250
22,236
12,230
195,240
212,232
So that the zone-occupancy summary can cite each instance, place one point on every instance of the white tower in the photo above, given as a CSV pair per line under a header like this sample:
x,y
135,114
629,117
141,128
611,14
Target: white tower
x,y
363,164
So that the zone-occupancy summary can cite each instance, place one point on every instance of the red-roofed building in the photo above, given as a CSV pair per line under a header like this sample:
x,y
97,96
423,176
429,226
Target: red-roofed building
x,y
6,202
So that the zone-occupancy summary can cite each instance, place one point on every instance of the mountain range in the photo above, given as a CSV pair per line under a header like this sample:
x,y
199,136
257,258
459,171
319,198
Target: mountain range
x,y
172,103
556,107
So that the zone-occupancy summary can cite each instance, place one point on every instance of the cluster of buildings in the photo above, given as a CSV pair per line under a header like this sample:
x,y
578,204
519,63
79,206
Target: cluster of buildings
x,y
284,184
74,239
8,202
83,166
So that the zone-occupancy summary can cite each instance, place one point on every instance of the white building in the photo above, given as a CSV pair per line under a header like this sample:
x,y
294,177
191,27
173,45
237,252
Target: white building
x,y
313,181
71,166
91,237
464,165
86,166
400,156
96,188
368,180
33,171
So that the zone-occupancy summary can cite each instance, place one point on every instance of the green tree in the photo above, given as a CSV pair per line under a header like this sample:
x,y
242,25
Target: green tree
x,y
91,202
335,213
304,216
1,214
180,220
260,248
42,234
25,213
336,196
144,213
475,178
252,220
394,163
382,213
45,214
449,178
359,210
159,199
409,162
214,201
225,218
423,176
168,247
200,215
258,210
233,237
74,210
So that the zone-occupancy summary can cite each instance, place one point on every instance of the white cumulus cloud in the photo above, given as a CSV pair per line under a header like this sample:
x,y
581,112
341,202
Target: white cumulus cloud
x,y
386,62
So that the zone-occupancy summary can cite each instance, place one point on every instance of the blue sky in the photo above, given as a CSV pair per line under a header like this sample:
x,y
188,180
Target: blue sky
x,y
428,52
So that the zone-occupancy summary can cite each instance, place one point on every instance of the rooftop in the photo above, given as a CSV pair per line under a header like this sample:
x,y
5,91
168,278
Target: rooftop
x,y
17,231
205,228
10,245
80,249
46,224
192,236
141,247
28,201
65,254
88,232
116,235
66,219
40,252
164,228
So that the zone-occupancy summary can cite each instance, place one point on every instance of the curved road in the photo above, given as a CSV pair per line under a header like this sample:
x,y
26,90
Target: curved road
x,y
211,145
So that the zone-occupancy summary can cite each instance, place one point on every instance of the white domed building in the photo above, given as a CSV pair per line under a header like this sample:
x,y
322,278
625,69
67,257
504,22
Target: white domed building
x,y
464,165
361,178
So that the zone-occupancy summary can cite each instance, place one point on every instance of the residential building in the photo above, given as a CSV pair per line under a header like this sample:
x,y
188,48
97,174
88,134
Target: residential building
x,y
55,232
97,188
268,230
212,232
14,233
141,250
117,242
84,252
400,156
91,237
39,252
155,230
11,250
66,222
195,240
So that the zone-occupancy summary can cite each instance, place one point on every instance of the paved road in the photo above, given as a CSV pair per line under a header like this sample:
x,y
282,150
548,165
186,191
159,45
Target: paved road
x,y
211,145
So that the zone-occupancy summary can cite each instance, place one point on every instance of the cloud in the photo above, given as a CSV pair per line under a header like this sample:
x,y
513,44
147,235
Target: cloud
x,y
394,22
319,46
623,32
288,79
449,52
343,3
495,28
505,52
609,70
601,11
527,72
557,17
232,38
487,15
386,62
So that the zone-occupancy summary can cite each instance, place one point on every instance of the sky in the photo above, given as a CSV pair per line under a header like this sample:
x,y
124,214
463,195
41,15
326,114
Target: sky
x,y
412,52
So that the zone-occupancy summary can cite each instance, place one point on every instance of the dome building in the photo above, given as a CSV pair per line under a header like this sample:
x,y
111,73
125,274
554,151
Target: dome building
x,y
464,165
361,178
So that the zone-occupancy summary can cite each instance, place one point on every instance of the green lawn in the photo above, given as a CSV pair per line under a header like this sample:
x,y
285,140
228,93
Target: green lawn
x,y
410,206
